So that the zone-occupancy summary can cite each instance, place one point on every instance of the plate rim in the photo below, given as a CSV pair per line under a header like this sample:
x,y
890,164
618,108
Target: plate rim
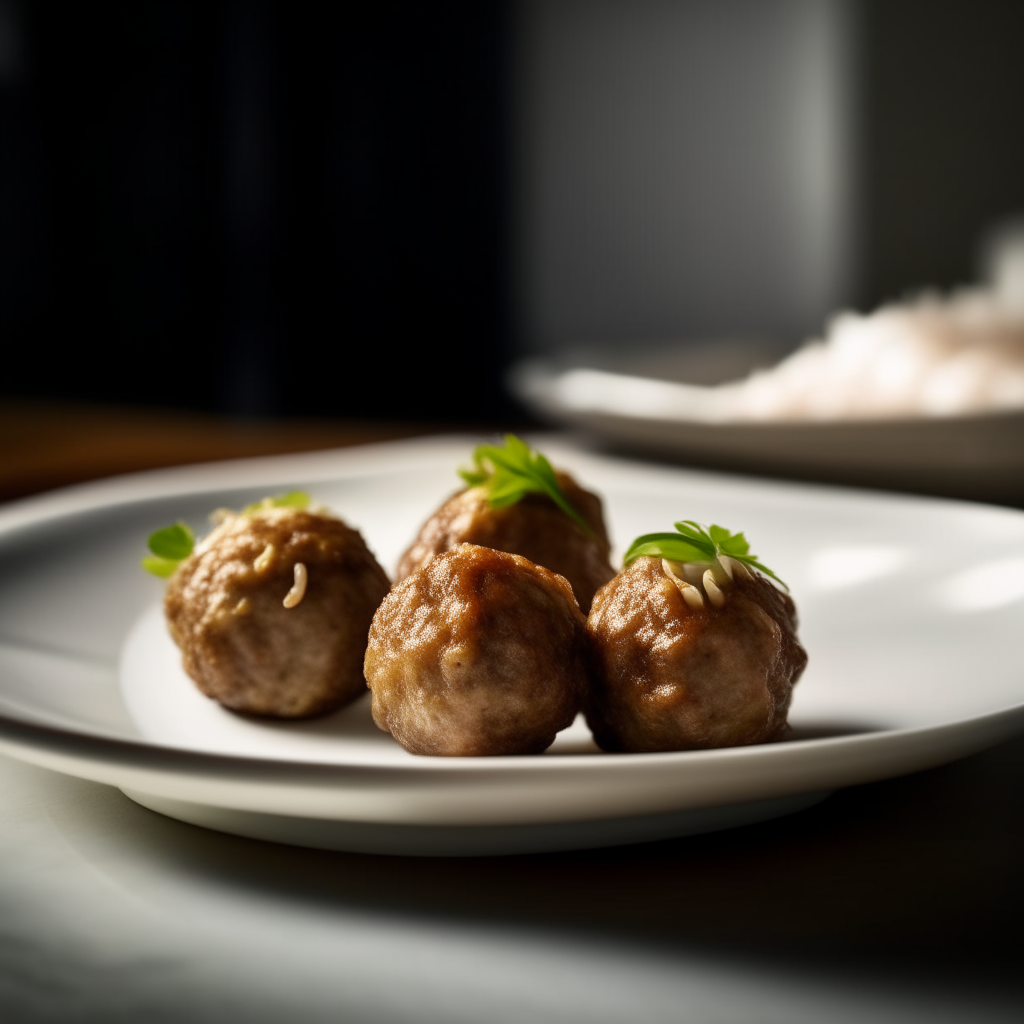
x,y
61,739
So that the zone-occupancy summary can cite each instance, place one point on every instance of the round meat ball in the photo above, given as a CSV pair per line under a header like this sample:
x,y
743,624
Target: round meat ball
x,y
534,527
272,609
478,652
716,670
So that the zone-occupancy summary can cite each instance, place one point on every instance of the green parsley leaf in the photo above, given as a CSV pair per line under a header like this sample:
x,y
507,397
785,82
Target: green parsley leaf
x,y
694,542
172,542
293,499
474,477
671,546
512,471
159,566
170,546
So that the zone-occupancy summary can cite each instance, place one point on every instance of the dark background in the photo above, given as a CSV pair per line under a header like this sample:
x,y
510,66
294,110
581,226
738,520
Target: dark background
x,y
942,86
304,209
256,207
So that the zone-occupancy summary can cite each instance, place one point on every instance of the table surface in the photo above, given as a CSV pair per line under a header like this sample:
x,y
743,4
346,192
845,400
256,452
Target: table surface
x,y
896,901
49,444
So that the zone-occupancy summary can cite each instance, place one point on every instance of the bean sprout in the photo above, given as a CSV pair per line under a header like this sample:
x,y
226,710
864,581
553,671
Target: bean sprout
x,y
263,563
298,591
715,595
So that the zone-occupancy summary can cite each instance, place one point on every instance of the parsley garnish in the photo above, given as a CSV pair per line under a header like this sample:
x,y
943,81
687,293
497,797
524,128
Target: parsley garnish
x,y
511,472
696,543
173,544
170,546
293,499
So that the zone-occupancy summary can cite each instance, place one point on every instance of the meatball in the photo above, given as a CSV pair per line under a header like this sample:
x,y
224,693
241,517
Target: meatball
x,y
686,662
478,652
272,609
535,527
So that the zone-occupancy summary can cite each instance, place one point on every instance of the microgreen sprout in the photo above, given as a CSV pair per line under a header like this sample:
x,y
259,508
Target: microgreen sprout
x,y
293,499
696,543
169,546
510,472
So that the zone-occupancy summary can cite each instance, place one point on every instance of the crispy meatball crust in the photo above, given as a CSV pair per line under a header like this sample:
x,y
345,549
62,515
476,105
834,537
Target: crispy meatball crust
x,y
535,527
478,652
670,678
239,642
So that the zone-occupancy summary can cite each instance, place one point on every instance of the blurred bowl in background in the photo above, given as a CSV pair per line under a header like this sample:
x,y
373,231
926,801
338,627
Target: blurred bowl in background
x,y
662,402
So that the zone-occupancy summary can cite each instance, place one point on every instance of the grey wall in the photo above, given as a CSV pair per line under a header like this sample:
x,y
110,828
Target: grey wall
x,y
685,169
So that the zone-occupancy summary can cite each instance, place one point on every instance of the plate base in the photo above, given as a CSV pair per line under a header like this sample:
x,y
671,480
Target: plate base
x,y
473,840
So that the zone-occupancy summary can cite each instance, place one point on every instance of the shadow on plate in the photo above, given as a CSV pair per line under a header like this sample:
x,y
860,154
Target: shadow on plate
x,y
355,721
826,730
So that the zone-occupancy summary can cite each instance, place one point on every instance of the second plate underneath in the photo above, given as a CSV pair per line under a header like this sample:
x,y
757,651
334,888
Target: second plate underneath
x,y
473,840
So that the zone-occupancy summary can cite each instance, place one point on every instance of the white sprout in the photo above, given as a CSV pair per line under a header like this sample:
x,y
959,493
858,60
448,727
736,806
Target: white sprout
x,y
263,563
669,568
734,568
298,591
691,572
691,595
711,588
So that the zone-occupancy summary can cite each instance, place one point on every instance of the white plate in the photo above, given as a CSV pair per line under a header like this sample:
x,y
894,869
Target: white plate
x,y
643,404
911,609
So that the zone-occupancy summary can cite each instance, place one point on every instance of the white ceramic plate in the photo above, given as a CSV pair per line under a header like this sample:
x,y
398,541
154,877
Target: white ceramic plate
x,y
911,611
642,403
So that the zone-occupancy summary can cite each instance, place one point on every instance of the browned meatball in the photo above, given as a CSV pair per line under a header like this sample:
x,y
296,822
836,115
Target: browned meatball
x,y
676,674
251,637
478,652
535,527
